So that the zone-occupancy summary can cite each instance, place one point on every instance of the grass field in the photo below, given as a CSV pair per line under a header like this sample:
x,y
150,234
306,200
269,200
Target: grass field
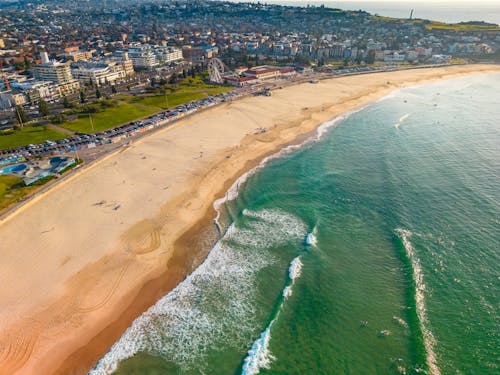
x,y
12,189
460,27
187,90
434,25
174,99
111,117
28,135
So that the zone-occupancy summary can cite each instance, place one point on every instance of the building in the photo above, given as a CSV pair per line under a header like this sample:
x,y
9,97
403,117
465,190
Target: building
x,y
78,55
394,57
9,99
194,54
241,81
53,71
35,90
122,58
167,54
263,72
99,73
142,57
441,59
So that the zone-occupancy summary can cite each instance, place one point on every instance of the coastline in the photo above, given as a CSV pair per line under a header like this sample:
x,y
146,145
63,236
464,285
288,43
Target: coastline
x,y
78,319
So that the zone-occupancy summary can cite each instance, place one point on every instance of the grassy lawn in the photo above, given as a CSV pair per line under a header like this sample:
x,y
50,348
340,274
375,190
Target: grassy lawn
x,y
111,117
461,27
28,135
174,99
187,90
12,189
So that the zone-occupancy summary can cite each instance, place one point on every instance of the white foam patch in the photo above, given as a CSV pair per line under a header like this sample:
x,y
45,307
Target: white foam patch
x,y
259,356
295,269
401,120
185,324
418,278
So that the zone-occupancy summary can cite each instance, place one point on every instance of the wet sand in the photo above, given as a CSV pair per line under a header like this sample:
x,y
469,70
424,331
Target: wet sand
x,y
82,260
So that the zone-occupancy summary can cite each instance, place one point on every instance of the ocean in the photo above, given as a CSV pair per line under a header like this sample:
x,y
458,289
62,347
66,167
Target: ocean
x,y
444,11
372,248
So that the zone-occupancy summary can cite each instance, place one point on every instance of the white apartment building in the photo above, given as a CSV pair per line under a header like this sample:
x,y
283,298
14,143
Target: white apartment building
x,y
142,56
167,54
99,73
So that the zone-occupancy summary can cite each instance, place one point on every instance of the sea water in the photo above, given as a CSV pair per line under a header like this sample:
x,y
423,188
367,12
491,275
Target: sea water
x,y
372,249
451,11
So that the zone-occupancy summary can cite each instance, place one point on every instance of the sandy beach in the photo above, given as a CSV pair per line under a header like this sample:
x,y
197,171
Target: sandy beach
x,y
83,260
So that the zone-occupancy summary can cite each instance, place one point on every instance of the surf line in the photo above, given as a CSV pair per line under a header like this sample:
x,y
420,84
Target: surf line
x,y
418,279
233,191
259,356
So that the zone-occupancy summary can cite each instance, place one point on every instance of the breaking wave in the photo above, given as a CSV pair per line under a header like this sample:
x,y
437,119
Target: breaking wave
x,y
185,324
418,279
401,120
259,356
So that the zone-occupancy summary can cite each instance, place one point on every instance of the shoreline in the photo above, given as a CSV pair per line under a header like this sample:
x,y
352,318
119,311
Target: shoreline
x,y
165,266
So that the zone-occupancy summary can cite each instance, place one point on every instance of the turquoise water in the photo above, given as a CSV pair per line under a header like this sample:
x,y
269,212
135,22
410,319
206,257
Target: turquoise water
x,y
373,250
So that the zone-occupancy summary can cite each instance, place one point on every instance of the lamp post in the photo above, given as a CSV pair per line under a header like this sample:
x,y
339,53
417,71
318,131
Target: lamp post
x,y
91,122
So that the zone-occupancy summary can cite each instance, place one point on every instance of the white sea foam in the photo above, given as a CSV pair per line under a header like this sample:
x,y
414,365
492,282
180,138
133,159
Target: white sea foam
x,y
259,356
400,321
185,324
295,269
418,278
401,120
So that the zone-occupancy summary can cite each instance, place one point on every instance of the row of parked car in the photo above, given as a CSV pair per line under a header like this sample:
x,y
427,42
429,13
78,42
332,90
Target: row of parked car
x,y
83,141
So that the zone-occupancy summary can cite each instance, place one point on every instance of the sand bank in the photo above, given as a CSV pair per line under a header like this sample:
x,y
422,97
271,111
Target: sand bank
x,y
82,260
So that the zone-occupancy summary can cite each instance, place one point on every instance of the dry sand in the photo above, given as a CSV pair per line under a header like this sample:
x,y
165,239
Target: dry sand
x,y
81,261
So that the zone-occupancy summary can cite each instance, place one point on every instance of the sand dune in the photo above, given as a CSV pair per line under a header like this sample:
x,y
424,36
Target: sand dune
x,y
81,261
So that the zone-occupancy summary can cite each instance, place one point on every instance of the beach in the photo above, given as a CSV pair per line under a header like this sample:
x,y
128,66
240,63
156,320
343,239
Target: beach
x,y
83,260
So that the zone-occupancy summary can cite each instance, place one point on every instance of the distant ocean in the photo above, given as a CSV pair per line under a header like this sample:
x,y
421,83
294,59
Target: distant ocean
x,y
373,249
452,12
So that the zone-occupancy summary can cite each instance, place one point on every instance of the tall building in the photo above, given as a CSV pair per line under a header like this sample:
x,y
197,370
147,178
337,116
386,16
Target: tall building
x,y
167,54
99,73
53,71
142,57
123,59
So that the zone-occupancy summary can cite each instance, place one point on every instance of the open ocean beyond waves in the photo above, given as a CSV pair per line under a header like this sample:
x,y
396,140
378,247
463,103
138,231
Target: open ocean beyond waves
x,y
374,249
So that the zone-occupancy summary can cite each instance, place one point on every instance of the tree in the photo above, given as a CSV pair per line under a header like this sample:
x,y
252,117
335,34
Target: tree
x,y
98,93
43,108
66,102
83,97
370,58
113,89
359,59
27,63
21,115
